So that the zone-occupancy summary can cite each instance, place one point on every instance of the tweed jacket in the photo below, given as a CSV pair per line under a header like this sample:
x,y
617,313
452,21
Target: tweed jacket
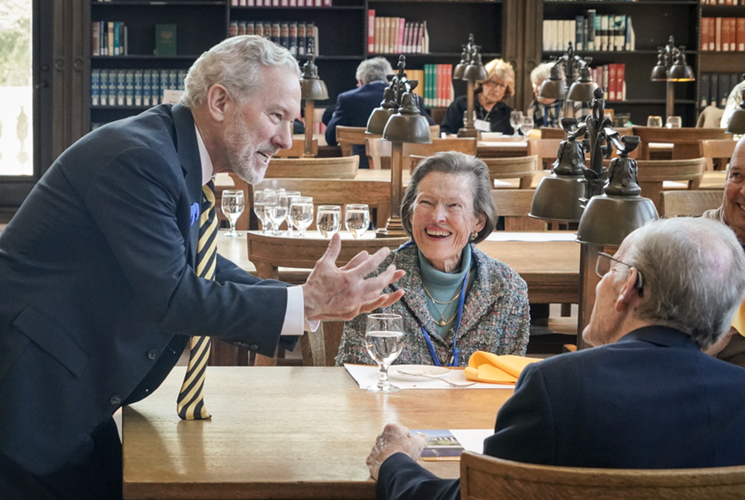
x,y
495,315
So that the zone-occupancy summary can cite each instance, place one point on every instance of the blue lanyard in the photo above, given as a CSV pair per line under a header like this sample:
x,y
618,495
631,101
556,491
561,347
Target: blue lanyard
x,y
425,333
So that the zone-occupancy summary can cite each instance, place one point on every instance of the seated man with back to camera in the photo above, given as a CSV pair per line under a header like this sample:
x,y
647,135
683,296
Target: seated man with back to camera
x,y
647,398
546,112
354,107
458,300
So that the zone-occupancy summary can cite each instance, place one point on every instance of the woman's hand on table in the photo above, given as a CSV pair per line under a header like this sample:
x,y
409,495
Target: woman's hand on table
x,y
395,438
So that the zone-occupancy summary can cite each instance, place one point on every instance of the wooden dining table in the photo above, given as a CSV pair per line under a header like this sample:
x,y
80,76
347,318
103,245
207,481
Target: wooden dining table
x,y
282,433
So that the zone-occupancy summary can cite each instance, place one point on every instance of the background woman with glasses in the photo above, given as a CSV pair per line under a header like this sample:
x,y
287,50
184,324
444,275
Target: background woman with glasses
x,y
489,104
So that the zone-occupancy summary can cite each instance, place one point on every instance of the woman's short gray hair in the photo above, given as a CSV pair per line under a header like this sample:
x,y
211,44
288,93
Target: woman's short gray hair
x,y
540,73
234,64
376,69
502,70
694,271
455,163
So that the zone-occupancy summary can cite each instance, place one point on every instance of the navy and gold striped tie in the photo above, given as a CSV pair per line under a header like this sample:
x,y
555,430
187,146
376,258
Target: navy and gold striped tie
x,y
190,404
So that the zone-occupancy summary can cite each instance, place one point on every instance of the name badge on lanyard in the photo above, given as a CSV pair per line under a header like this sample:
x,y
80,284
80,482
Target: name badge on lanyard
x,y
482,125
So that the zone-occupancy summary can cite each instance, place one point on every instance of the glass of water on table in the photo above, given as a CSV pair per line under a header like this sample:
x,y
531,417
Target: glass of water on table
x,y
328,220
357,219
384,340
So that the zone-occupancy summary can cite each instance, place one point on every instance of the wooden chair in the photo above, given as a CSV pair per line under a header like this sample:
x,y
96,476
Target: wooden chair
x,y
483,477
269,253
685,140
376,194
413,153
552,133
652,173
717,152
297,149
514,206
378,153
689,203
313,168
545,150
522,167
347,136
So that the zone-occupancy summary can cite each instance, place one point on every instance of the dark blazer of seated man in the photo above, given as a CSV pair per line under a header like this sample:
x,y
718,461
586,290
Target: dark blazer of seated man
x,y
354,107
647,398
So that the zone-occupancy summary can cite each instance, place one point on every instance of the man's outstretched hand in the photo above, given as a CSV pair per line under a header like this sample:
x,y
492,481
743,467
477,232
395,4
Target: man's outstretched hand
x,y
343,293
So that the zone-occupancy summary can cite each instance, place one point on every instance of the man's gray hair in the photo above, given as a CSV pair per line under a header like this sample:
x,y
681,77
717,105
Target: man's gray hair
x,y
694,272
540,73
374,70
452,162
234,64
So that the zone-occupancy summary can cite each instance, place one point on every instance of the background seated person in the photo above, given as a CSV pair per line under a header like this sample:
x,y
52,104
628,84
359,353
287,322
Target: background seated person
x,y
547,113
648,398
354,107
456,297
731,213
733,103
489,103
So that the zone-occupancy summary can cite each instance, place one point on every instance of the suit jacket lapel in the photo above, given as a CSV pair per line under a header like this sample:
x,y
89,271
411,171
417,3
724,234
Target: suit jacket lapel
x,y
188,153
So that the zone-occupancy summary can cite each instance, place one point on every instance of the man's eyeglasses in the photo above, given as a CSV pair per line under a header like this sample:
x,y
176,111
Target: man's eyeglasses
x,y
605,262
492,83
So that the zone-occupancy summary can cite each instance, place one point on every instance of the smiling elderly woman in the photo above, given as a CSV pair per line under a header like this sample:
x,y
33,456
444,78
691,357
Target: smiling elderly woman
x,y
458,300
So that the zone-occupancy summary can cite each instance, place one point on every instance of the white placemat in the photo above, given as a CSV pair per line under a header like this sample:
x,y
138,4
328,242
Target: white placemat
x,y
537,236
365,376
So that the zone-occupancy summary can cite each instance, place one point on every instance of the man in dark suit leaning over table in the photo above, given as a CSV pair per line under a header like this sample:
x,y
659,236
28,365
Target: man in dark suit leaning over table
x,y
354,107
647,398
98,289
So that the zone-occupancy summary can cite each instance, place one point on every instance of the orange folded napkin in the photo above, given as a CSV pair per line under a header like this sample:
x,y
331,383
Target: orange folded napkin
x,y
738,322
495,369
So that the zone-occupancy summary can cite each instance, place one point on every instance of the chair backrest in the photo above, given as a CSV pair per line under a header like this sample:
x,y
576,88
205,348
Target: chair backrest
x,y
434,131
481,476
346,136
378,153
552,133
313,168
545,150
514,206
297,149
689,203
717,152
652,173
376,194
522,167
465,145
685,140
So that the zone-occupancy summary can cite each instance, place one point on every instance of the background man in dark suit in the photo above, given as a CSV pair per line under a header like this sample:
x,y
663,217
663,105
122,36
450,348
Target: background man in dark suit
x,y
353,108
98,289
647,398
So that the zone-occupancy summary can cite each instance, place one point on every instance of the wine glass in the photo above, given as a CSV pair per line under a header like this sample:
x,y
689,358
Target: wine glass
x,y
290,196
384,340
516,119
527,125
301,213
654,121
328,220
259,209
233,204
271,199
356,219
278,211
673,122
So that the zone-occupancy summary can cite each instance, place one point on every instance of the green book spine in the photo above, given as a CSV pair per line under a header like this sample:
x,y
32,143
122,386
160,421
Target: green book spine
x,y
165,40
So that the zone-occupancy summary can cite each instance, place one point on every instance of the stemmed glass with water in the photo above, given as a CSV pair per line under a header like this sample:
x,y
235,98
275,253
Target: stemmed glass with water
x,y
516,120
290,196
276,206
260,210
357,219
301,213
233,204
526,125
328,220
384,340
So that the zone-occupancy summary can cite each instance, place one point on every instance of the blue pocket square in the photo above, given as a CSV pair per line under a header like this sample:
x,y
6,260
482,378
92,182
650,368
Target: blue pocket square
x,y
194,213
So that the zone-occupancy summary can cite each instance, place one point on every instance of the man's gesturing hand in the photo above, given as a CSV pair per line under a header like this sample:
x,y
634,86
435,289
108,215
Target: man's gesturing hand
x,y
343,293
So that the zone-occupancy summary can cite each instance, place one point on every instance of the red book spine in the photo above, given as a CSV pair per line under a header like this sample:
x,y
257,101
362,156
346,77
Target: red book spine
x,y
370,31
704,34
621,75
740,36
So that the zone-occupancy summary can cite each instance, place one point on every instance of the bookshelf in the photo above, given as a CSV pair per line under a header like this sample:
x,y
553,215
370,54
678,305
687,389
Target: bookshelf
x,y
726,66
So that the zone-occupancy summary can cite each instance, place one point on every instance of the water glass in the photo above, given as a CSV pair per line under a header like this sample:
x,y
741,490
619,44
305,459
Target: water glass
x,y
259,210
356,219
384,340
654,121
301,213
516,120
527,125
673,122
278,211
328,220
233,204
290,196
271,200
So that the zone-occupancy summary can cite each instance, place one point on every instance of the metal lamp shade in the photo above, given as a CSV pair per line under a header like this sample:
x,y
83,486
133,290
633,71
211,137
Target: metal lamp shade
x,y
553,89
313,89
582,92
475,72
659,73
459,70
378,119
557,198
406,128
608,219
681,73
737,122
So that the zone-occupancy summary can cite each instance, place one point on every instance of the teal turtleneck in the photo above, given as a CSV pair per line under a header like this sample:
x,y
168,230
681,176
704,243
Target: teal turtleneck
x,y
443,287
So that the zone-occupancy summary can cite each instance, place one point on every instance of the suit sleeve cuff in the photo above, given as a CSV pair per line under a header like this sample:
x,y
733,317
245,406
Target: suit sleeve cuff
x,y
295,322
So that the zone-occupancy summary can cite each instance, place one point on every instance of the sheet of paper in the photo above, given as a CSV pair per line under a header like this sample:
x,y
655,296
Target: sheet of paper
x,y
365,376
472,439
537,236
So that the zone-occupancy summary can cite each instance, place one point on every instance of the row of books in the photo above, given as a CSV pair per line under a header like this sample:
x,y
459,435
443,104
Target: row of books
x,y
109,38
435,84
396,35
295,36
591,32
715,88
722,2
280,3
612,78
133,87
723,34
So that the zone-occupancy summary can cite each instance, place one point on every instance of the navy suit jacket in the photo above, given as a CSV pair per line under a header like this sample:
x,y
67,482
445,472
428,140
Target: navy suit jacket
x,y
652,400
98,293
353,109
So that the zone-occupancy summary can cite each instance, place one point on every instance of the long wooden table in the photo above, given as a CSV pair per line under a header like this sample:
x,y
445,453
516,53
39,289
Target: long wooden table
x,y
281,433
